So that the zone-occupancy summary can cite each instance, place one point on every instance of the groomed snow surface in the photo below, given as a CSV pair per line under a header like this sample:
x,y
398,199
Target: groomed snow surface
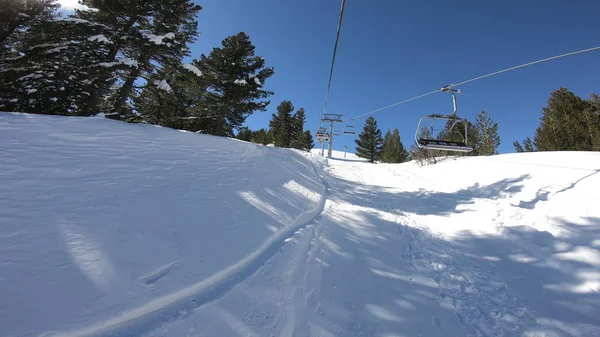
x,y
114,229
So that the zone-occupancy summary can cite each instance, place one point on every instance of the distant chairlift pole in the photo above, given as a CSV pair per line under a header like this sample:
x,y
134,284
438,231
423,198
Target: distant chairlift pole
x,y
330,118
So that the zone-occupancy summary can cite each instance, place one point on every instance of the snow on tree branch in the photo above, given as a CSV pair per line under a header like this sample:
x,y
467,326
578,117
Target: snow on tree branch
x,y
162,84
192,68
158,39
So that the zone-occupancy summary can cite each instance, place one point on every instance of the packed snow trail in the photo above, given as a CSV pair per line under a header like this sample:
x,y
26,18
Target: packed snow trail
x,y
491,246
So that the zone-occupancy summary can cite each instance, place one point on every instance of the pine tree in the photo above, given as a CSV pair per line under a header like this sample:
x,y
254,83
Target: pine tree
x,y
488,140
456,133
245,134
386,139
308,143
235,78
182,104
298,136
282,125
424,156
370,142
55,73
393,150
17,15
563,125
518,146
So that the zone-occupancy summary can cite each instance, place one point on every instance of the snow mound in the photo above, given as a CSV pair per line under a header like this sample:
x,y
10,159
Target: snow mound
x,y
106,225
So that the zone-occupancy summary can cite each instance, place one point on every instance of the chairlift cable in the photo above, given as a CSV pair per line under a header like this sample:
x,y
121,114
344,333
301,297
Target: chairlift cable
x,y
481,77
337,39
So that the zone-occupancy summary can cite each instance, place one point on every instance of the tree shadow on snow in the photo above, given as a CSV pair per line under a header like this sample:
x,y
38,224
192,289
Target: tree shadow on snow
x,y
382,277
424,202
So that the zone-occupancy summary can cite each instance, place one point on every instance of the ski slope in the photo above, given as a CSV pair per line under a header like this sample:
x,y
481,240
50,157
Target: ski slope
x,y
135,230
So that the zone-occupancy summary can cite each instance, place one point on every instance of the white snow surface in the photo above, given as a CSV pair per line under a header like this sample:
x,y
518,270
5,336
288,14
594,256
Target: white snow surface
x,y
117,229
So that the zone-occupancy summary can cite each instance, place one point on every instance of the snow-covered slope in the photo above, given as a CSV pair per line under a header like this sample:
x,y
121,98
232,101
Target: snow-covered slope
x,y
505,245
133,230
99,217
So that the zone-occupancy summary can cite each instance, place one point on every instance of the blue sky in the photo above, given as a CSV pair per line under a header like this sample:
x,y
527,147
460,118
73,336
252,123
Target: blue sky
x,y
392,50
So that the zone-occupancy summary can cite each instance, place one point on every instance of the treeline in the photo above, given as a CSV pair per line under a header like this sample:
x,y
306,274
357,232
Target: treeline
x,y
482,135
124,58
568,123
285,130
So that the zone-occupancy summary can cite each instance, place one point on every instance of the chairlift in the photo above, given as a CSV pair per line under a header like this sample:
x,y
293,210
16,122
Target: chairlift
x,y
349,129
431,143
322,135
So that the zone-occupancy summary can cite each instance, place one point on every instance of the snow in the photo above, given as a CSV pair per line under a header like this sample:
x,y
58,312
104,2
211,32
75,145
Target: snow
x,y
111,228
79,21
162,84
159,39
240,82
192,68
257,81
126,61
99,38
103,220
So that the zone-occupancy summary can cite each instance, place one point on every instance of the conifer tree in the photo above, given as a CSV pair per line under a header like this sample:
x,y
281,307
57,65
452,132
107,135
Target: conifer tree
x,y
456,133
487,130
308,142
526,147
245,134
298,136
182,103
393,150
282,125
17,15
57,68
369,142
563,125
386,138
235,78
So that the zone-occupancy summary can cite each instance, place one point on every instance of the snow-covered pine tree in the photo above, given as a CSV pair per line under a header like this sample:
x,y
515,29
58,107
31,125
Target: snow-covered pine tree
x,y
57,68
143,35
370,142
174,97
235,78
17,15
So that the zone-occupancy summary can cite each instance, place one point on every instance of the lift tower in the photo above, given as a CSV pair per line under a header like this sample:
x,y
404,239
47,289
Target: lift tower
x,y
330,118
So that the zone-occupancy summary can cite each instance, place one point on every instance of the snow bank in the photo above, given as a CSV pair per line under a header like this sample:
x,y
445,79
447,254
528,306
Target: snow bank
x,y
105,222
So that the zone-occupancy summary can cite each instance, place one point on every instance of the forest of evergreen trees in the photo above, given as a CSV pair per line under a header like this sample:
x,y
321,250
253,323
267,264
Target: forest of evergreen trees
x,y
568,123
124,58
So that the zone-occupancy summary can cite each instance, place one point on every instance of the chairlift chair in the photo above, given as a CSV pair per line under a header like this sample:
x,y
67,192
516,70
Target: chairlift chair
x,y
322,135
430,143
349,129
